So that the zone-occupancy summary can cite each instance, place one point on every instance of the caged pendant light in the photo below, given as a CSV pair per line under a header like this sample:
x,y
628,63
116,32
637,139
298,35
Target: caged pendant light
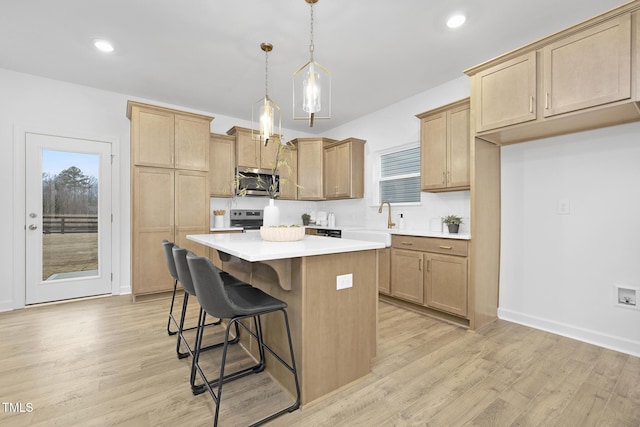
x,y
265,110
311,87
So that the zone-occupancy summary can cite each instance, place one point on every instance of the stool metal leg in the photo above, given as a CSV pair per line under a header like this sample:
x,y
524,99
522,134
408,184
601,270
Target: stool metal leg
x,y
171,318
222,378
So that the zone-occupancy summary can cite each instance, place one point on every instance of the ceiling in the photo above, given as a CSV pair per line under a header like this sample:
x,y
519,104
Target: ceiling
x,y
205,54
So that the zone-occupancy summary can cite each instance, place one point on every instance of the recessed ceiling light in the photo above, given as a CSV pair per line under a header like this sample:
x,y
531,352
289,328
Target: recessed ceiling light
x,y
103,46
456,20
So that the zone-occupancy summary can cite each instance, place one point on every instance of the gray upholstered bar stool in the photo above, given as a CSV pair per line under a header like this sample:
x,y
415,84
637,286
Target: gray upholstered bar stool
x,y
182,268
173,270
235,304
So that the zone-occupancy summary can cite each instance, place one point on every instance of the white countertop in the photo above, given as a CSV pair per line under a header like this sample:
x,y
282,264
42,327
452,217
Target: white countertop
x,y
224,229
250,246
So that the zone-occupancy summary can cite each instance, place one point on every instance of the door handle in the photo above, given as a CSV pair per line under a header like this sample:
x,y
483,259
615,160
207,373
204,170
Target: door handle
x,y
33,227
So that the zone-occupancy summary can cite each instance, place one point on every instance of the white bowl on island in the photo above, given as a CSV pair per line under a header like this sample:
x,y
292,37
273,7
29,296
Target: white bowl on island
x,y
282,234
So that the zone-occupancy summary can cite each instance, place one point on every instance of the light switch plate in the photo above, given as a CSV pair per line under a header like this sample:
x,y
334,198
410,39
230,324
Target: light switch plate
x,y
344,281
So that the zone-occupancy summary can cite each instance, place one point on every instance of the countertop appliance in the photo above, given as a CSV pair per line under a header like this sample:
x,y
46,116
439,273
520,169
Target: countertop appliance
x,y
249,219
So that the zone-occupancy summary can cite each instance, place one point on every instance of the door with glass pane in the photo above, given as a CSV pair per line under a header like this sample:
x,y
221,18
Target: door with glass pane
x,y
68,218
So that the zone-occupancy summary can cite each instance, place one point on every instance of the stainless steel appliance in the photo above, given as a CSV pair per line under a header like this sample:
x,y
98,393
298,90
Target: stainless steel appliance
x,y
328,232
249,219
257,182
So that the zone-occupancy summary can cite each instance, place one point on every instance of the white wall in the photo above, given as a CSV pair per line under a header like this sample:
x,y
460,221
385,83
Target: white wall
x,y
558,271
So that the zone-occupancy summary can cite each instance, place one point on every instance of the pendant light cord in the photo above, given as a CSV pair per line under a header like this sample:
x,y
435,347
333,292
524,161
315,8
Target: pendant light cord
x,y
311,47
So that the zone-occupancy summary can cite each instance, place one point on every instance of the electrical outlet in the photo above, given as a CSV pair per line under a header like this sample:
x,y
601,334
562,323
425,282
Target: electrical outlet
x,y
344,281
564,207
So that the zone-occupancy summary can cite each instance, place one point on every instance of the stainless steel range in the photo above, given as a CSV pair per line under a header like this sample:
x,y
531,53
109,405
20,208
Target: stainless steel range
x,y
249,219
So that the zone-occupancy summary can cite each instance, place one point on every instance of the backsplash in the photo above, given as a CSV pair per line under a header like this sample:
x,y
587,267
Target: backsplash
x,y
359,213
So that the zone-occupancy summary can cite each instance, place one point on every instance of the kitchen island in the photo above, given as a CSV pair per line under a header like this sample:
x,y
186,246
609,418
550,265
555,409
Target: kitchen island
x,y
331,288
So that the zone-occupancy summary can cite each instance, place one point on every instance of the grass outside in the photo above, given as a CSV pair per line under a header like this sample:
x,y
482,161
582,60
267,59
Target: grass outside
x,y
65,253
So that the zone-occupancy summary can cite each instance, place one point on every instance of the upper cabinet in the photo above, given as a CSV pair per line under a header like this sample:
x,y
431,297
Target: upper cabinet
x,y
584,77
289,173
250,153
222,155
344,169
444,148
506,93
161,137
310,167
590,68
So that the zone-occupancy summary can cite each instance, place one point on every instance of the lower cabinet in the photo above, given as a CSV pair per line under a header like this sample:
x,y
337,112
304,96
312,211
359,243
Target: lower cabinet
x,y
384,271
407,274
446,283
431,273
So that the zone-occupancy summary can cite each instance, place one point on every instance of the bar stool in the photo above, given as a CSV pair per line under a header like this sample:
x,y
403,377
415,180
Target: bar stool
x,y
171,264
236,303
182,268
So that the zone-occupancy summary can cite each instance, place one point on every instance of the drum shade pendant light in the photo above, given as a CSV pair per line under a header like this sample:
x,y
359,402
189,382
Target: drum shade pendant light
x,y
311,87
265,110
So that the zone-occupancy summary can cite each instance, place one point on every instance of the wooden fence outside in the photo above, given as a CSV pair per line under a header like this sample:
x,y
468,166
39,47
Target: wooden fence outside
x,y
62,224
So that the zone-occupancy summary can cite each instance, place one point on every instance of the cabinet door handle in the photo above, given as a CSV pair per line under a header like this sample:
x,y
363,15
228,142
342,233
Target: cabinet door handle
x,y
531,104
448,177
428,266
406,243
419,264
445,247
546,101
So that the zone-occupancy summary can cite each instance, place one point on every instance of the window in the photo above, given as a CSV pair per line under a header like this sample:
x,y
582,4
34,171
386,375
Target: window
x,y
399,179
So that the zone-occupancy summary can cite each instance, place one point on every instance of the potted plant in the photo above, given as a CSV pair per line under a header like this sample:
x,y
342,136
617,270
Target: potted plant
x,y
453,222
305,218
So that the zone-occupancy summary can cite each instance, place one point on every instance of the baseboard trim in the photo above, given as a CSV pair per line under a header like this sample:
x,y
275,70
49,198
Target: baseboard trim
x,y
611,342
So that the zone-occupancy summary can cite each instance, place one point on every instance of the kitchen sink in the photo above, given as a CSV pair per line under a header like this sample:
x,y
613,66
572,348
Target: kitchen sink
x,y
379,236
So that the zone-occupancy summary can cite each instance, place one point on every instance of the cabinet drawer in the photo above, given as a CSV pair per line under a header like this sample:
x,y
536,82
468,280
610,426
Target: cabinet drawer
x,y
430,244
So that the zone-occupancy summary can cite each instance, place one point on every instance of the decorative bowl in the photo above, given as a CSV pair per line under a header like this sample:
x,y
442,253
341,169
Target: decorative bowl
x,y
282,234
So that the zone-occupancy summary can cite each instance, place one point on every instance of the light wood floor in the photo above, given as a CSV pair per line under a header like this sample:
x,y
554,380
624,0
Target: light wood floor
x,y
110,362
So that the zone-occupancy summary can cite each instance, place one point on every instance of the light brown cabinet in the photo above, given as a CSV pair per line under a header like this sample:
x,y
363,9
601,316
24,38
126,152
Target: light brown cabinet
x,y
162,137
446,283
505,94
407,275
444,147
384,271
222,156
344,169
250,153
590,68
430,272
166,202
578,79
311,167
289,173
152,221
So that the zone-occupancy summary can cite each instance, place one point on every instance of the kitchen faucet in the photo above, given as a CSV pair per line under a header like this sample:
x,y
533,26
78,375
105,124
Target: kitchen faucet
x,y
389,223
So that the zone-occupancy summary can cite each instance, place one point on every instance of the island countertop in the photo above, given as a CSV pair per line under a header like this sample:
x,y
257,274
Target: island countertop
x,y
250,246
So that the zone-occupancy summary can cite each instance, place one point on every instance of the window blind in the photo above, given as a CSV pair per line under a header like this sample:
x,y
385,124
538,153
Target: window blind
x,y
400,176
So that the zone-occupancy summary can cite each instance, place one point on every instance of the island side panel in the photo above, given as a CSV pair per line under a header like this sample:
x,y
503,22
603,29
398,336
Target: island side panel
x,y
338,326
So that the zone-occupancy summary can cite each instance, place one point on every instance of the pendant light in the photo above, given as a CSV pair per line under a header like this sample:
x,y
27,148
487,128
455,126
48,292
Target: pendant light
x,y
265,110
311,87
